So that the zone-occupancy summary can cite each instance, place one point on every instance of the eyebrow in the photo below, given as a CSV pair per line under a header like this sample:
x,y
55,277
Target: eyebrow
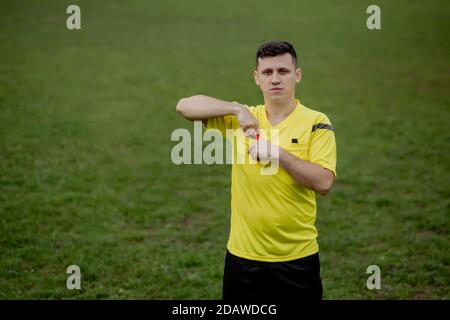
x,y
279,69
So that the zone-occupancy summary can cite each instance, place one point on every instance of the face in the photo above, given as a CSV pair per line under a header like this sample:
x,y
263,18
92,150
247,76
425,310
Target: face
x,y
277,77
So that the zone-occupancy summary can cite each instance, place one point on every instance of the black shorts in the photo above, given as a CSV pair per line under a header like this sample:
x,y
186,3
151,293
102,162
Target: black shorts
x,y
245,279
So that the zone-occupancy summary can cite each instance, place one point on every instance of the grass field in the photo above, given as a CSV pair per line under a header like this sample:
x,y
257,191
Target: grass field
x,y
86,117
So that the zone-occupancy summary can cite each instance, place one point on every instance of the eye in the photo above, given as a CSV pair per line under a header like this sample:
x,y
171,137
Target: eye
x,y
267,72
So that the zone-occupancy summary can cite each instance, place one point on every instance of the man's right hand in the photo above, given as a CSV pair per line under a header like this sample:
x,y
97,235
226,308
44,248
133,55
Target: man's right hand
x,y
248,122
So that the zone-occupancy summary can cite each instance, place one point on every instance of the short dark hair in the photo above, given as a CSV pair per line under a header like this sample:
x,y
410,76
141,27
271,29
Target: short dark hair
x,y
274,48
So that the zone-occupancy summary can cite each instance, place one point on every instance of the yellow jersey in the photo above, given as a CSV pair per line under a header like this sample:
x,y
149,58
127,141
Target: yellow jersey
x,y
273,216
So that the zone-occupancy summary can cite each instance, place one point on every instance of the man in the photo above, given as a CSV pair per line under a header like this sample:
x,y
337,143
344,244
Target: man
x,y
272,249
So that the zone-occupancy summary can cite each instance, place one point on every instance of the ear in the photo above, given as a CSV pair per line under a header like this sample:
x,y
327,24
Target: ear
x,y
298,75
256,77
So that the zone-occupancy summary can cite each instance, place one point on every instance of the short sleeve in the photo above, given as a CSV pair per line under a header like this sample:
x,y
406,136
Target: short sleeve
x,y
221,123
322,150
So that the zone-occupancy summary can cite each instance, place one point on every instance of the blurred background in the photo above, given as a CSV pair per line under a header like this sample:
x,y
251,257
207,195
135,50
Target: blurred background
x,y
86,117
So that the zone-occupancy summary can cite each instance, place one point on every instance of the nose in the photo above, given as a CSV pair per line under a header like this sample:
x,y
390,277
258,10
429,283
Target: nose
x,y
275,80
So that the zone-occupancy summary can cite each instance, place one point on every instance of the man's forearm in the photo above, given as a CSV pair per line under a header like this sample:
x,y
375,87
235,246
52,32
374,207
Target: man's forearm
x,y
306,173
203,107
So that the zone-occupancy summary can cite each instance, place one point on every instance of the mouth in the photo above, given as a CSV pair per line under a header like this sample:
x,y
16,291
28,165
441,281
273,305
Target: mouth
x,y
276,90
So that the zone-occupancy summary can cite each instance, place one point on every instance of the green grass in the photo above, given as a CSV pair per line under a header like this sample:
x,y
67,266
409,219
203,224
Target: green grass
x,y
86,118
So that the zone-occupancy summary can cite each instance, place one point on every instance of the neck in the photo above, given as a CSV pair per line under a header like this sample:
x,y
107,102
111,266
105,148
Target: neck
x,y
278,110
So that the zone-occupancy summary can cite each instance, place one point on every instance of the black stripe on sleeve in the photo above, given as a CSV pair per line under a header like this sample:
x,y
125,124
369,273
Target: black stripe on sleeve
x,y
322,126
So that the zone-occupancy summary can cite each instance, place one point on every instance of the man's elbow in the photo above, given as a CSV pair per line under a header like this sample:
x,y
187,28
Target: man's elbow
x,y
182,106
185,106
324,187
323,191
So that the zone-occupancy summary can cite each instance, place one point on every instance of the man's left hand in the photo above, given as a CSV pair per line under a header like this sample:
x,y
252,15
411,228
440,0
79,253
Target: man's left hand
x,y
264,151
